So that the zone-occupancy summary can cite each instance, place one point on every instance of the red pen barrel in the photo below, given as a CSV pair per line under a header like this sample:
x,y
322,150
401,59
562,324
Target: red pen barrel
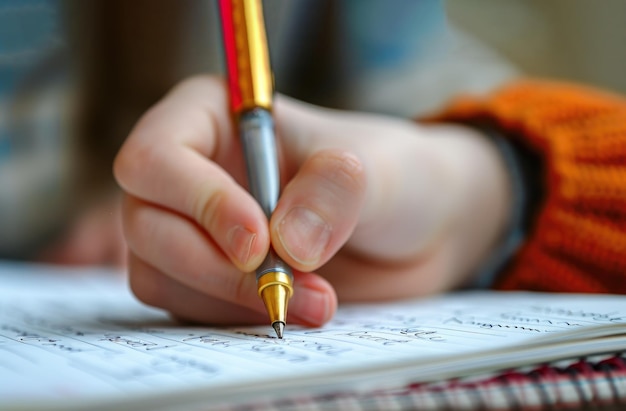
x,y
246,53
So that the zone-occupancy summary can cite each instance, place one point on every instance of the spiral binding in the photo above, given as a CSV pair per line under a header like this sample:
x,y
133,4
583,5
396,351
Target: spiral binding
x,y
597,383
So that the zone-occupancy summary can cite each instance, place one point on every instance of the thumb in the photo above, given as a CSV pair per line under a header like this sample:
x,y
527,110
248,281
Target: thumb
x,y
375,180
318,209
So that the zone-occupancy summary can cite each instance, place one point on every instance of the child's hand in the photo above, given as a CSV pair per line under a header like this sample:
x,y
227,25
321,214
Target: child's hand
x,y
372,208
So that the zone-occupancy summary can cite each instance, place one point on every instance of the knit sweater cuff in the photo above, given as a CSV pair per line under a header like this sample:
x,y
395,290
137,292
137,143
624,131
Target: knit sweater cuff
x,y
578,240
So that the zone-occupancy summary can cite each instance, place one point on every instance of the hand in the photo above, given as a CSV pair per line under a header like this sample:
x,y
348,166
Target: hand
x,y
372,208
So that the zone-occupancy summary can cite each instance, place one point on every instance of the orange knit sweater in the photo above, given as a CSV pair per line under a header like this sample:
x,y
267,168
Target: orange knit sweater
x,y
578,241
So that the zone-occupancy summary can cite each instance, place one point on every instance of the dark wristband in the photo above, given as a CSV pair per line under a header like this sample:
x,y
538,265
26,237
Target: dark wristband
x,y
525,170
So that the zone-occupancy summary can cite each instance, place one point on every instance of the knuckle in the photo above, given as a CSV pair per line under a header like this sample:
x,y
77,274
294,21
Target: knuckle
x,y
122,166
132,163
139,226
205,207
202,81
342,169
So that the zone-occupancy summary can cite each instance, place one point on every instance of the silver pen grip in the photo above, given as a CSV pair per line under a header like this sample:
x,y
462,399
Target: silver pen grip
x,y
259,148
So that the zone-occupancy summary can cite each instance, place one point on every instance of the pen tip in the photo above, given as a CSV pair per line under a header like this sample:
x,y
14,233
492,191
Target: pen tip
x,y
279,326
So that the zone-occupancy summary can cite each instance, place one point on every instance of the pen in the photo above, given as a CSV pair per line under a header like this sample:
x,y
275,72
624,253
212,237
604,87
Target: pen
x,y
251,91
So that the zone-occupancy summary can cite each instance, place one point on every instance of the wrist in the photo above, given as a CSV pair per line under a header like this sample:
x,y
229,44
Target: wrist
x,y
484,196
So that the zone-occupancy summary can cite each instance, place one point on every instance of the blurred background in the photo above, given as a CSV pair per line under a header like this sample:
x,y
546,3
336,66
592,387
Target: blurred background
x,y
578,40
75,75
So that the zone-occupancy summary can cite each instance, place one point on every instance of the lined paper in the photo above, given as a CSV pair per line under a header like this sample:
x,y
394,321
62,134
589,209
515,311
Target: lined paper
x,y
80,337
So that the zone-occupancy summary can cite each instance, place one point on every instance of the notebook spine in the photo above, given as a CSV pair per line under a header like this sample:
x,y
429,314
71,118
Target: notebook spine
x,y
587,383
583,383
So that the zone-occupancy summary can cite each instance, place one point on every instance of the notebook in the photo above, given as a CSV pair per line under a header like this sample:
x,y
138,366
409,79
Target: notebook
x,y
75,339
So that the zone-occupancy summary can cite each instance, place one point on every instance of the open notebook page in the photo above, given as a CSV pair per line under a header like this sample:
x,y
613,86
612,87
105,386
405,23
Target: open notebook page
x,y
76,339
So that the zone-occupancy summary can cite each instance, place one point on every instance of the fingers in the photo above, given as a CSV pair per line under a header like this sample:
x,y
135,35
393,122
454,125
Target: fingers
x,y
187,218
178,247
155,288
170,160
318,209
174,265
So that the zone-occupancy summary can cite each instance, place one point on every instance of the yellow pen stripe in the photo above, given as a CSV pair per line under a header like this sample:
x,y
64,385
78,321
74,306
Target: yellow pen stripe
x,y
255,79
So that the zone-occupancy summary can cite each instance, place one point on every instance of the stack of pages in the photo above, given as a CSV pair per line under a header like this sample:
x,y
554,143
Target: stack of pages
x,y
78,339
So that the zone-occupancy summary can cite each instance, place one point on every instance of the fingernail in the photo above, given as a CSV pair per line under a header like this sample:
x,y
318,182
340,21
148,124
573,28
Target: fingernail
x,y
304,235
310,307
240,241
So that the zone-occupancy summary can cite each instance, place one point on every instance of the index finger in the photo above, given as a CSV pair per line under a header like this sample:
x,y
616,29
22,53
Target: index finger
x,y
172,159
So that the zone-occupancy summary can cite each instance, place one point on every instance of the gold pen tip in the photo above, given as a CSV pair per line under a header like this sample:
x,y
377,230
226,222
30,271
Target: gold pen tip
x,y
279,327
275,289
